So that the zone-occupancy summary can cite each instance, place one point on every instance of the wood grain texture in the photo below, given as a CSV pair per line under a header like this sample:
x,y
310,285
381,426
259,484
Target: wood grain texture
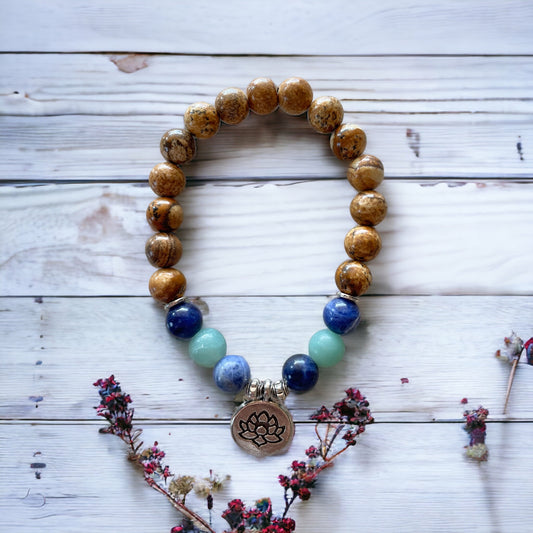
x,y
303,27
436,239
444,345
398,476
152,84
443,91
94,148
427,117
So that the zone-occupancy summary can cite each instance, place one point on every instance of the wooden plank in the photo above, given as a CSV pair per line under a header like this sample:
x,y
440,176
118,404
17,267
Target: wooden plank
x,y
444,345
418,467
441,129
481,27
90,148
141,84
89,239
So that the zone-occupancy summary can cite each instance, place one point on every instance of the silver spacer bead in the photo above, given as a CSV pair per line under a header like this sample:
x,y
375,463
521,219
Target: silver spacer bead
x,y
354,299
178,301
196,300
281,390
254,390
268,389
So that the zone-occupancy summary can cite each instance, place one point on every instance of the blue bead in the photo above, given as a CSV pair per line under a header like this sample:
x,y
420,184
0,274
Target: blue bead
x,y
232,373
300,372
184,320
341,315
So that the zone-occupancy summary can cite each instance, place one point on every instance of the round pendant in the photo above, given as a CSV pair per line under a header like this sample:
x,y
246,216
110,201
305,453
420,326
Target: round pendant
x,y
262,428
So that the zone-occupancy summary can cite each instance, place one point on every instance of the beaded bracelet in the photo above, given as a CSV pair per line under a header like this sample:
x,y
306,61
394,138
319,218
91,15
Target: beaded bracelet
x,y
262,425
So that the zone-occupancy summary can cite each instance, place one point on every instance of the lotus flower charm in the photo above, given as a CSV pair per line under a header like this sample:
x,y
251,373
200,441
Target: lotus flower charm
x,y
261,429
262,425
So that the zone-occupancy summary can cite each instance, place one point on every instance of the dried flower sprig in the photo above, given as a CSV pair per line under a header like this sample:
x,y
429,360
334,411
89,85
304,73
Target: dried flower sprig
x,y
477,429
344,422
115,408
511,352
347,419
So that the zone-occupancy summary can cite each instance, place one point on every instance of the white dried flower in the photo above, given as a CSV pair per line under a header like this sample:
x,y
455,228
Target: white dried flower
x,y
513,346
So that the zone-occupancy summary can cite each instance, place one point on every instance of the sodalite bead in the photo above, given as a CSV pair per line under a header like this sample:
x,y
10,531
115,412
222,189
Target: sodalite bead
x,y
184,320
207,347
232,373
326,348
341,315
300,372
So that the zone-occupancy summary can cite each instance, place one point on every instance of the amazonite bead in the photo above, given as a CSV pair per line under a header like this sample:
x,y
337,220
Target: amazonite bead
x,y
326,348
207,347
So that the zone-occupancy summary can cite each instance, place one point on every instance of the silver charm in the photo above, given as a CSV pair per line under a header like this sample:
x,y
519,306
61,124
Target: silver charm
x,y
262,425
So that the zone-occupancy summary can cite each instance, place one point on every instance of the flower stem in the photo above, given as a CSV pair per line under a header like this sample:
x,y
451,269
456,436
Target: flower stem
x,y
338,429
196,519
288,504
510,382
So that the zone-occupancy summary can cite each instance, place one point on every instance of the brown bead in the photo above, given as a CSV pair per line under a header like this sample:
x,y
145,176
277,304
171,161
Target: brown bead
x,y
164,214
178,146
232,105
262,96
362,243
325,114
167,179
353,278
295,96
167,284
348,141
368,208
365,173
163,250
202,120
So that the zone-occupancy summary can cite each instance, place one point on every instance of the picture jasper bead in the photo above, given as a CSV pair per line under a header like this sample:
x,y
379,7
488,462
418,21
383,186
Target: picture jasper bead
x,y
167,179
362,243
348,141
365,173
262,96
167,284
325,114
353,278
232,105
163,250
164,214
295,96
178,146
368,208
202,120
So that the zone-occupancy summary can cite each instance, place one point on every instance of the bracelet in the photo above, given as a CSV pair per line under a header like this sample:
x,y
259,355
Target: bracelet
x,y
262,425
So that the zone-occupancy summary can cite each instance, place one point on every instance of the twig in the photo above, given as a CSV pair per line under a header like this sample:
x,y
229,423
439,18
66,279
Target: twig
x,y
510,382
185,511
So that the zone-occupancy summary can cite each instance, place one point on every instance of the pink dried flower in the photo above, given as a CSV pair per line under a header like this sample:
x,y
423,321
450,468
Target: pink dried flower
x,y
347,420
512,348
528,346
475,426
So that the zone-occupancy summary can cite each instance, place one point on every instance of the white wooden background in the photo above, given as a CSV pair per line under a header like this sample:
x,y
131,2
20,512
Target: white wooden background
x,y
444,92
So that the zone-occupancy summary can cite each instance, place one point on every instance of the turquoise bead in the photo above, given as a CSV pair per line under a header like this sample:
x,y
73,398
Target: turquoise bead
x,y
326,348
207,347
